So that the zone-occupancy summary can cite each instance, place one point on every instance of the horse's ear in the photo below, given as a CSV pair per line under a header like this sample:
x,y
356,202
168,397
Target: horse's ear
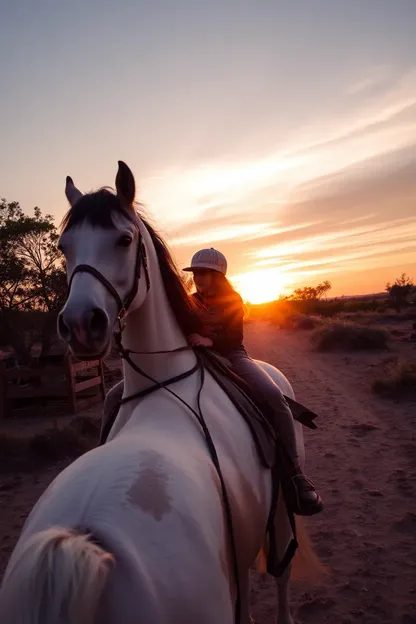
x,y
125,184
71,191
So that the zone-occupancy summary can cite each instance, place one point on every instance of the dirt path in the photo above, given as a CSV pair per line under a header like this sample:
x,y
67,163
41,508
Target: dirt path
x,y
362,459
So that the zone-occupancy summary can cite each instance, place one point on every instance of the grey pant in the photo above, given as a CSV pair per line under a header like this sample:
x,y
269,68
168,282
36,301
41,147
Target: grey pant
x,y
263,385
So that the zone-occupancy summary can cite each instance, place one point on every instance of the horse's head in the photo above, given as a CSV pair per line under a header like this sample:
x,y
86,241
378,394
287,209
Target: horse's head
x,y
106,264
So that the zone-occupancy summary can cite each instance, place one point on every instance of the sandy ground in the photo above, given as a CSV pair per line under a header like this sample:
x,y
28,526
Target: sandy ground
x,y
363,461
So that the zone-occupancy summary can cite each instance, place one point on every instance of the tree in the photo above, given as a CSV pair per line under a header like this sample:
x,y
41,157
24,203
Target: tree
x,y
311,293
14,278
32,271
400,290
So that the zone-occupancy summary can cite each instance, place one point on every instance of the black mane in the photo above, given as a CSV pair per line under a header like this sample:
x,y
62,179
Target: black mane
x,y
98,209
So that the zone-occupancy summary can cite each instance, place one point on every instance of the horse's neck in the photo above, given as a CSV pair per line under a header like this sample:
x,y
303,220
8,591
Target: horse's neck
x,y
153,327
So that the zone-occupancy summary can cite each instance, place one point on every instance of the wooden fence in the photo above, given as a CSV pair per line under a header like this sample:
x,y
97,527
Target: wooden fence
x,y
65,380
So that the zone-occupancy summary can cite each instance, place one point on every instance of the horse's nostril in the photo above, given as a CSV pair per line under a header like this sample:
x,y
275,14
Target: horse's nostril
x,y
63,329
98,323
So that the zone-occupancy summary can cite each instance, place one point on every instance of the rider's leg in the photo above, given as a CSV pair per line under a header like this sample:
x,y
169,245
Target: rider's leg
x,y
302,495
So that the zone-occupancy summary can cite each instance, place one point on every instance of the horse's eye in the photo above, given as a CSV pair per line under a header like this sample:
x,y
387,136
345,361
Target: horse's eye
x,y
124,241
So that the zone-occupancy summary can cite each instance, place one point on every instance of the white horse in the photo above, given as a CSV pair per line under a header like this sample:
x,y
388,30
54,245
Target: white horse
x,y
136,530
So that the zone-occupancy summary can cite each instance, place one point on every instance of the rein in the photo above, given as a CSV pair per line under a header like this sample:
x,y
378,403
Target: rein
x,y
125,354
141,261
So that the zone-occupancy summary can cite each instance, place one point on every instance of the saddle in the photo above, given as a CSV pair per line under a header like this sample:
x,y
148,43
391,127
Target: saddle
x,y
256,412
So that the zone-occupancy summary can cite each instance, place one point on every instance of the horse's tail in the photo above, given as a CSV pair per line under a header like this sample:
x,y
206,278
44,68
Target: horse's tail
x,y
57,576
306,565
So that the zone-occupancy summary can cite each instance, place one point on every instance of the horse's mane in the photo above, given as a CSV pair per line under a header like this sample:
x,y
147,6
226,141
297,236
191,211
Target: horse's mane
x,y
98,209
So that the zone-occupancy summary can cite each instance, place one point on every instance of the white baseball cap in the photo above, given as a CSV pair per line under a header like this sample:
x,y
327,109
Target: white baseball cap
x,y
211,259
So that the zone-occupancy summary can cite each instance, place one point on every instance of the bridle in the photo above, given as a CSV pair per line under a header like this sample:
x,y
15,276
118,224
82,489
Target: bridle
x,y
122,307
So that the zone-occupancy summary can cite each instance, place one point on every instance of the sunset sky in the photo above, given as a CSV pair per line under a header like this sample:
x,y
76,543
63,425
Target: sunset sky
x,y
282,132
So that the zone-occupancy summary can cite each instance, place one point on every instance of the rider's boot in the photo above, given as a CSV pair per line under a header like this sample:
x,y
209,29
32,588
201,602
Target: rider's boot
x,y
300,493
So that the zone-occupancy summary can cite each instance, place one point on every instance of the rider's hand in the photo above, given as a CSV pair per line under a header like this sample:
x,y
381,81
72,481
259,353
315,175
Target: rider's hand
x,y
195,340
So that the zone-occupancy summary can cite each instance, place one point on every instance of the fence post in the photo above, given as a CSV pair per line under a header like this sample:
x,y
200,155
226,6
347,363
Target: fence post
x,y
71,384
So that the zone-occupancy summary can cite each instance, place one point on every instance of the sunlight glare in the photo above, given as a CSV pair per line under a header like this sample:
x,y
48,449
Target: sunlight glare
x,y
261,286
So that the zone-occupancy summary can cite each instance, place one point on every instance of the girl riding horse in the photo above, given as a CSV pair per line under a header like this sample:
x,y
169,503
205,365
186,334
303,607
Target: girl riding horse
x,y
222,312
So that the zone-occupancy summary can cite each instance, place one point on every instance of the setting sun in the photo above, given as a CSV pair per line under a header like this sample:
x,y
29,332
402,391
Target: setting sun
x,y
261,286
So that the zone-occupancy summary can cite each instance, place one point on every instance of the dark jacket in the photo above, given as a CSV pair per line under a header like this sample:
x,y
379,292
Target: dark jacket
x,y
222,321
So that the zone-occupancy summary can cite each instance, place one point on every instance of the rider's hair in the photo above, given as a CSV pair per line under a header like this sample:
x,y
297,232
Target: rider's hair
x,y
223,287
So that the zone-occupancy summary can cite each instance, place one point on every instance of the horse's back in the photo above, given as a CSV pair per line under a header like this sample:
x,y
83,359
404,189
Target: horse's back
x,y
278,377
132,479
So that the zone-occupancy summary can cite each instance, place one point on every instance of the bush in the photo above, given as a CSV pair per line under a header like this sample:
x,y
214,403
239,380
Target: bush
x,y
306,322
398,382
12,446
349,337
281,310
86,426
53,444
76,438
361,305
410,315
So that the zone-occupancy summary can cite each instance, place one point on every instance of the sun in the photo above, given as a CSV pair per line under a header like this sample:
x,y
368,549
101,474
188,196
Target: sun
x,y
260,286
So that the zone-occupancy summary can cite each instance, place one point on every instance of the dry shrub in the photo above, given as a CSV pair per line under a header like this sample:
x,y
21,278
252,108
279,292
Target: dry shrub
x,y
306,322
55,444
349,337
408,315
52,444
398,382
86,426
12,446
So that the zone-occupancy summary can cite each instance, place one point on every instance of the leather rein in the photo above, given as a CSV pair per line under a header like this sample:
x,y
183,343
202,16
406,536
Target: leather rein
x,y
123,306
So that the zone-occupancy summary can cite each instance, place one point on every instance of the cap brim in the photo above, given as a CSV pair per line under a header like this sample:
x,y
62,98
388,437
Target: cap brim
x,y
204,267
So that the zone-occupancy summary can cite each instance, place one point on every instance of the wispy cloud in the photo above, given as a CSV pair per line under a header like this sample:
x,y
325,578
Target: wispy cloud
x,y
377,126
235,232
372,78
353,237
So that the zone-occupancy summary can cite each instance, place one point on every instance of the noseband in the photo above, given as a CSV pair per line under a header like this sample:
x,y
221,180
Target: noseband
x,y
122,305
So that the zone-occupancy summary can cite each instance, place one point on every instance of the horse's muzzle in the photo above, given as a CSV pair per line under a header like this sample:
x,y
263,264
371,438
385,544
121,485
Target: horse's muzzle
x,y
86,332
